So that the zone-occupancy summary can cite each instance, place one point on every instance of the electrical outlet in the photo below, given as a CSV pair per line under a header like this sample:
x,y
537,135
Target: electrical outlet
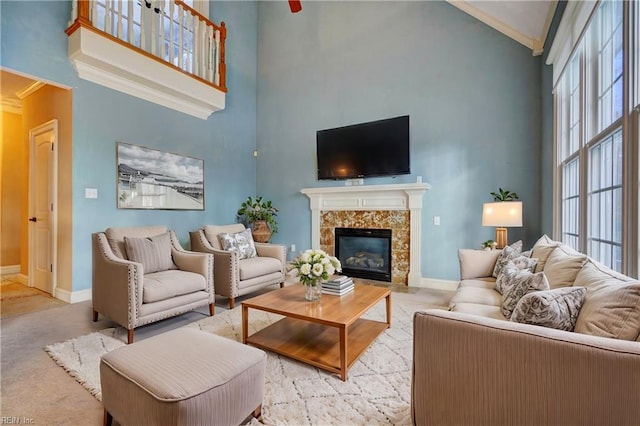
x,y
293,248
436,220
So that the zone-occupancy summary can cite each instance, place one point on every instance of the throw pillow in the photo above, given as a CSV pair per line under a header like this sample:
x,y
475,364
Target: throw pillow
x,y
517,284
153,252
611,311
240,242
508,253
542,249
563,265
520,263
558,308
476,263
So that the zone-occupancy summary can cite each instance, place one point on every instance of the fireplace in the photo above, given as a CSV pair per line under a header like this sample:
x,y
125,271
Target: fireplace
x,y
364,253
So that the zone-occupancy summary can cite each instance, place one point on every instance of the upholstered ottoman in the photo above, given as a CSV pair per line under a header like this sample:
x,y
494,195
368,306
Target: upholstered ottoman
x,y
183,377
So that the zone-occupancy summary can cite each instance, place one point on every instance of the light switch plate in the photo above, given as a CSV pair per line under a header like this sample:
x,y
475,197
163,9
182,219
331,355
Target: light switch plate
x,y
90,193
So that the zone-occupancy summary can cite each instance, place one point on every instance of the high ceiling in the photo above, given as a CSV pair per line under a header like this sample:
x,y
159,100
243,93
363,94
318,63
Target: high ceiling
x,y
526,21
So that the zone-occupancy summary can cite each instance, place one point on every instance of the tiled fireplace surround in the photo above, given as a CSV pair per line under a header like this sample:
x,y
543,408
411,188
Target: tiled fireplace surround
x,y
397,207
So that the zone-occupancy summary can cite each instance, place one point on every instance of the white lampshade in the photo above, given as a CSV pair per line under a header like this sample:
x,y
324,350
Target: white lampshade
x,y
502,214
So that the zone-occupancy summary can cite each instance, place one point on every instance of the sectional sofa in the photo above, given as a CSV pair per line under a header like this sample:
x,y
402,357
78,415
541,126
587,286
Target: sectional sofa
x,y
475,365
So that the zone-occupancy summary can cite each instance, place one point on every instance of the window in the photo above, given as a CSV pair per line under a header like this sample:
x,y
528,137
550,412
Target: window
x,y
605,201
570,204
590,139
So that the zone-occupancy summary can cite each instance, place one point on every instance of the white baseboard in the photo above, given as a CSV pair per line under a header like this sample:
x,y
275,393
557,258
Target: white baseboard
x,y
73,297
438,284
9,269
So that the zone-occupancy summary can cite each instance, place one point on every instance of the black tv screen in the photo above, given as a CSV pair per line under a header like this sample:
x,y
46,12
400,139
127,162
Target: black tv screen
x,y
377,148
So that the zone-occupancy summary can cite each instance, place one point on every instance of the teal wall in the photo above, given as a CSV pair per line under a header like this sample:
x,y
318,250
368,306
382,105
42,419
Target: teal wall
x,y
547,167
34,42
473,94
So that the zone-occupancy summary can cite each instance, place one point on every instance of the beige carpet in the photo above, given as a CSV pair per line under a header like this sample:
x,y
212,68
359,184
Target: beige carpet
x,y
376,392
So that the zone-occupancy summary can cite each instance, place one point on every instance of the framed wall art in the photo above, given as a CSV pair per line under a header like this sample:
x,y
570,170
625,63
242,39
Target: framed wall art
x,y
152,179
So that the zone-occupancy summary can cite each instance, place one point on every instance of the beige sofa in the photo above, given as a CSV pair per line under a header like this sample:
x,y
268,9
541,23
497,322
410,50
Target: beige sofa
x,y
235,276
472,365
131,295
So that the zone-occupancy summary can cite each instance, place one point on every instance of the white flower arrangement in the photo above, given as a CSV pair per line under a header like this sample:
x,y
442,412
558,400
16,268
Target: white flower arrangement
x,y
313,266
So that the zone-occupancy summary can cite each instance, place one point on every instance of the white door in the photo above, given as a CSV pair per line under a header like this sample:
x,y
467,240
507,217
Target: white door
x,y
42,200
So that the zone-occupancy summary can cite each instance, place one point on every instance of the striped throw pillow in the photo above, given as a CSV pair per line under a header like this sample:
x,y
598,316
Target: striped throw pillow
x,y
153,252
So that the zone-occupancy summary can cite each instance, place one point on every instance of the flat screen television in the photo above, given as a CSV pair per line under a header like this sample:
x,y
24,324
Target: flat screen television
x,y
377,148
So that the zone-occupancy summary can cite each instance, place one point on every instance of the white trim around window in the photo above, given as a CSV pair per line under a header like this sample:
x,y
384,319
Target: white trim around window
x,y
597,138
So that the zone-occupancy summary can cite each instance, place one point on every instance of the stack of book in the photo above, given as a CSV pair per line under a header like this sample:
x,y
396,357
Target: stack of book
x,y
338,286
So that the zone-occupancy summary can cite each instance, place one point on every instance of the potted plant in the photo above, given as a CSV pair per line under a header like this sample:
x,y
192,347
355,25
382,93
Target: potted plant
x,y
261,216
504,195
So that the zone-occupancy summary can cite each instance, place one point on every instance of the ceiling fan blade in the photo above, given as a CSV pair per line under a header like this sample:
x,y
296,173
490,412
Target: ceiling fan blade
x,y
295,5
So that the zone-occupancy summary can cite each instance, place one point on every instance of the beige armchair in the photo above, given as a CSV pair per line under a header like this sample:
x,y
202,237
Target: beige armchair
x,y
236,277
176,280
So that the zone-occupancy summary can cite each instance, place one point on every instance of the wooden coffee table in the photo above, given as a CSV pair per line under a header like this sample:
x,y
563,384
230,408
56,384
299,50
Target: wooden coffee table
x,y
328,334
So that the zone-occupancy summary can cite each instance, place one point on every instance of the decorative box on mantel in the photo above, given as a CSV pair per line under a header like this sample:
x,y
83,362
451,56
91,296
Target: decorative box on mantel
x,y
373,198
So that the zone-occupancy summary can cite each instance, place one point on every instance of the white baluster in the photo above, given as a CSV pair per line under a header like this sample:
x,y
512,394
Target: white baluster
x,y
195,44
93,6
217,74
143,26
210,53
171,25
161,32
154,29
130,36
188,65
201,42
120,19
74,12
107,16
181,38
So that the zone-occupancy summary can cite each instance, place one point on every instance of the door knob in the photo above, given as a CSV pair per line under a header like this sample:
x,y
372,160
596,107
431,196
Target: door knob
x,y
33,219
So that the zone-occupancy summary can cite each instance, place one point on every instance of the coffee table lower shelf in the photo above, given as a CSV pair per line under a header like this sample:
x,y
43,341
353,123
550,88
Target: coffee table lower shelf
x,y
318,344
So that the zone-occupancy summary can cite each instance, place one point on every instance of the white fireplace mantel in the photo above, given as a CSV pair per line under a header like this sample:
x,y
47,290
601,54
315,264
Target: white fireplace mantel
x,y
373,197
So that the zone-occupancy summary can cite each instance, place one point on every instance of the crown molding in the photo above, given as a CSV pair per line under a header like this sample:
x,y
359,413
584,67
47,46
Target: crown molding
x,y
31,89
532,43
13,106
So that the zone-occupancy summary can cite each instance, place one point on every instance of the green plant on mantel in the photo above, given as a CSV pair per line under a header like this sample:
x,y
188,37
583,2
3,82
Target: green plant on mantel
x,y
504,195
257,209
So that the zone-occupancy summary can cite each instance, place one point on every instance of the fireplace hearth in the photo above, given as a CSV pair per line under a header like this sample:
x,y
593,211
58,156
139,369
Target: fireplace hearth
x,y
364,253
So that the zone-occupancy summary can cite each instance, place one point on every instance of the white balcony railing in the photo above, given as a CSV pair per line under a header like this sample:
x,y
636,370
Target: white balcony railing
x,y
166,31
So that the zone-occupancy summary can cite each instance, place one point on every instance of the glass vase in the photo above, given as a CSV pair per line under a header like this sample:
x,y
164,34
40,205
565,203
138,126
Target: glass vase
x,y
312,291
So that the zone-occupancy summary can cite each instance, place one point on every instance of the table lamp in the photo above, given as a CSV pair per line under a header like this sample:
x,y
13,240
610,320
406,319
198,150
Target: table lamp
x,y
502,214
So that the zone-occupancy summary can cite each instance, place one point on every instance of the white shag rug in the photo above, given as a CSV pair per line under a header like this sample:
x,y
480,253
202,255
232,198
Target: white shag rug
x,y
377,390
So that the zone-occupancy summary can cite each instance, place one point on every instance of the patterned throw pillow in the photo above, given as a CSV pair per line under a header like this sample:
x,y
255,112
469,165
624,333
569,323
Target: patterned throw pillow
x,y
153,252
519,263
517,284
557,308
240,242
509,252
